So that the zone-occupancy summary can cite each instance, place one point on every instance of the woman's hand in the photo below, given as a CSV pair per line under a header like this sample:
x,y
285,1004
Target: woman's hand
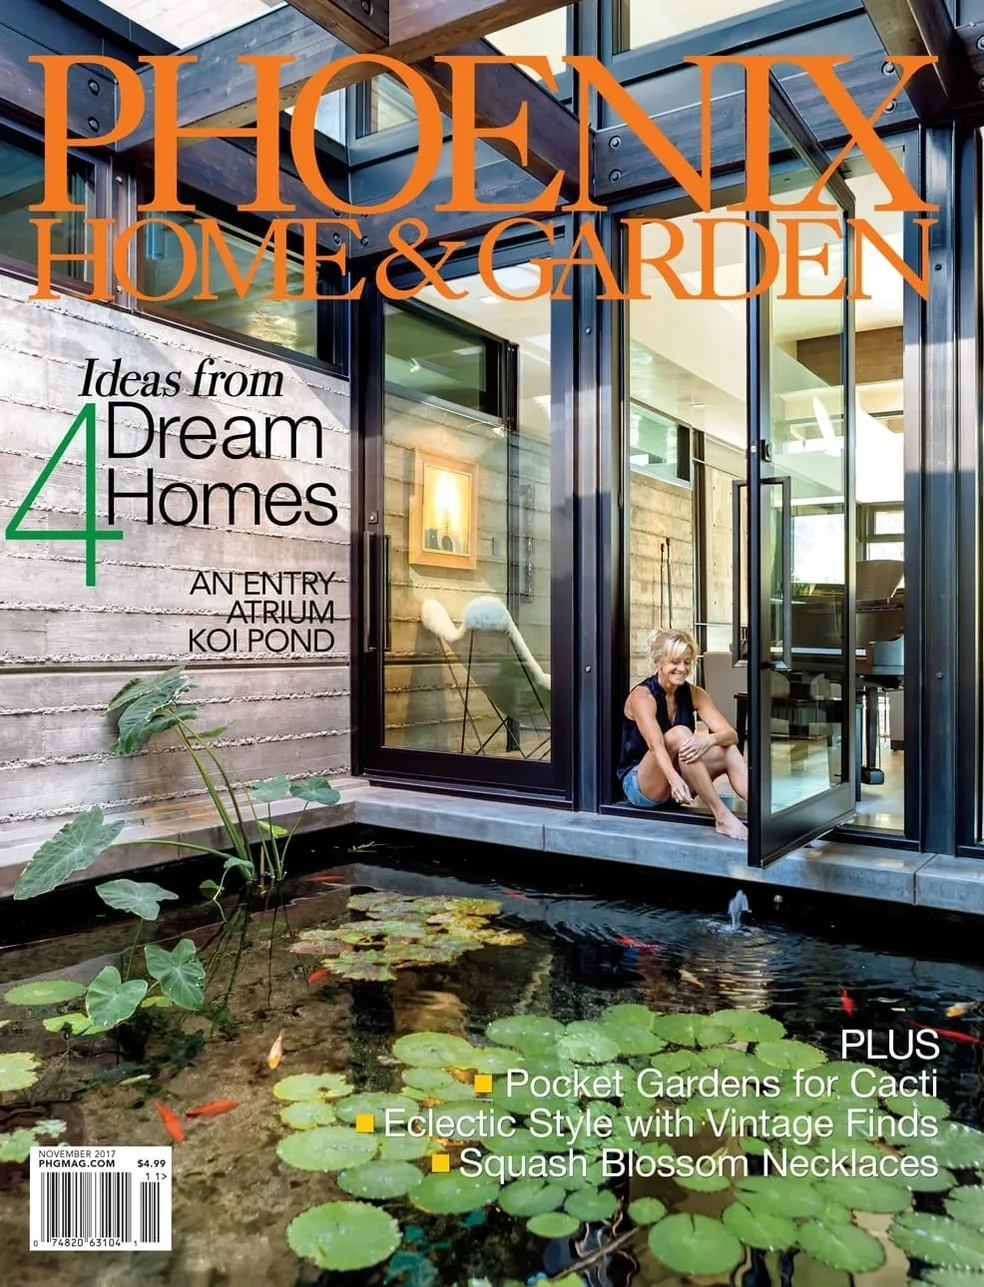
x,y
695,747
680,791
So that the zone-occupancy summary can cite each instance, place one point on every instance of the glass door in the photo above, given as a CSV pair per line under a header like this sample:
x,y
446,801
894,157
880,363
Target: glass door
x,y
801,507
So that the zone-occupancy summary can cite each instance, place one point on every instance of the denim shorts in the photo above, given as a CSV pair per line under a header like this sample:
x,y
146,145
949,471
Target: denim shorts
x,y
633,791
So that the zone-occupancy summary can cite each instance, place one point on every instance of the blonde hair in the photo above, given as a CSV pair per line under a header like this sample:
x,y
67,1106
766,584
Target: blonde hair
x,y
671,645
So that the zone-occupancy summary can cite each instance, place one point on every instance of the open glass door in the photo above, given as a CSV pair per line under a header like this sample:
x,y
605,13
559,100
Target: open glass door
x,y
801,507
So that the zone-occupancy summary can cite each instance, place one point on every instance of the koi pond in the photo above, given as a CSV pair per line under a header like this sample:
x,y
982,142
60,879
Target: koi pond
x,y
417,1067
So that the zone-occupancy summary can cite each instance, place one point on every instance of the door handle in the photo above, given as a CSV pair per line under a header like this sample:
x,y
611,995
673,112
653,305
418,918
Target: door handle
x,y
387,628
784,482
368,596
736,603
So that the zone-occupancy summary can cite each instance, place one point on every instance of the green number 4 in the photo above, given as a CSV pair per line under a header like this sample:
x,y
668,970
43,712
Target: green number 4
x,y
90,534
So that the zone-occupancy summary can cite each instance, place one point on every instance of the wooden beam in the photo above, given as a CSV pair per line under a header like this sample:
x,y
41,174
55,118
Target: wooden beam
x,y
419,27
925,27
362,24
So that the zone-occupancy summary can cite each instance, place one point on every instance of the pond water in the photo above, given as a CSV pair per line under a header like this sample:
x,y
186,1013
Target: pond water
x,y
572,944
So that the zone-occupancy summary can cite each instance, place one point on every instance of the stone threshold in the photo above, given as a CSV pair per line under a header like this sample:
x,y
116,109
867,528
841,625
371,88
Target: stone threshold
x,y
916,879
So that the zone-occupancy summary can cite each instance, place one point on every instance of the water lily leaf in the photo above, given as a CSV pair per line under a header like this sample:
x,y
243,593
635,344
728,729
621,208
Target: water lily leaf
x,y
272,789
315,790
530,1197
941,1182
15,1146
629,1012
473,906
326,1148
377,1103
591,1204
179,972
691,1029
646,1210
842,1246
344,1235
351,967
751,1025
138,897
939,1240
954,1278
519,1029
431,1080
789,1054
313,1086
434,1050
866,1193
762,1229
490,1059
783,1195
632,1038
44,992
925,1105
72,848
17,1070
956,1145
502,938
694,1244
553,1224
307,1113
403,1148
109,1001
380,1180
76,1023
966,1203
451,1193
587,1043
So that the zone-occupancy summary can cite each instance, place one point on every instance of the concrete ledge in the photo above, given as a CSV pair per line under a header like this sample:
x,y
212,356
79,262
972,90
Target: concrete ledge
x,y
951,884
485,821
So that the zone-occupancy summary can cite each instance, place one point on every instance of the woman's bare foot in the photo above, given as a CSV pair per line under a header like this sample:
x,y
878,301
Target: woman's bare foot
x,y
730,826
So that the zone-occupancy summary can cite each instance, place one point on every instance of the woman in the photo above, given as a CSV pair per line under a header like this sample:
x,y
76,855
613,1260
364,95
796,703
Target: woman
x,y
663,756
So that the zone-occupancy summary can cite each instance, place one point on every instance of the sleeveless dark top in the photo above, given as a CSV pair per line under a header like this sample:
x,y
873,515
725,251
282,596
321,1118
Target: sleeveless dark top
x,y
633,743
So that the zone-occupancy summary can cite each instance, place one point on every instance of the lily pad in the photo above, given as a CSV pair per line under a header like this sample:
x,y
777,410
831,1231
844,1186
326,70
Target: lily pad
x,y
553,1224
646,1210
867,1193
431,1080
842,1246
692,1029
591,1204
956,1145
926,1105
789,1054
109,1001
377,1103
306,1114
587,1043
762,1229
939,1240
954,1278
632,1038
380,1180
138,897
434,1050
751,1025
327,1148
530,1197
629,1012
344,1235
783,1195
17,1070
518,1030
313,1086
44,992
15,1146
404,1148
490,1059
694,1244
74,847
966,1203
451,1193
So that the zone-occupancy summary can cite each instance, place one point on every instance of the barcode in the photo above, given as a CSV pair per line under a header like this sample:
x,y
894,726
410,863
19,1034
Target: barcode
x,y
100,1199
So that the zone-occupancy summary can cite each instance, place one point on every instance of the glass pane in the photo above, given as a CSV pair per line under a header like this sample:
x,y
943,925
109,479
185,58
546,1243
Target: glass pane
x,y
388,103
21,184
330,117
658,446
185,22
546,34
653,20
888,522
289,323
467,526
808,468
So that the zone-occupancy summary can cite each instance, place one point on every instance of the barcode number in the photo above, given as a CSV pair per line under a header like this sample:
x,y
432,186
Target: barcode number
x,y
100,1199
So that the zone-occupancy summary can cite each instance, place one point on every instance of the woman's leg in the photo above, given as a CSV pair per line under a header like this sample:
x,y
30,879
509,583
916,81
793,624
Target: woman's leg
x,y
652,779
700,775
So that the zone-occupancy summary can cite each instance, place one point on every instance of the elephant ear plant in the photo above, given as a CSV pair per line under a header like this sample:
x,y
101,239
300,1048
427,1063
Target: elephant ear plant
x,y
142,709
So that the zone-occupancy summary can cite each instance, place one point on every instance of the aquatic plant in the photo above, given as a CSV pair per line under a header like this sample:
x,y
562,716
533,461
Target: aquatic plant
x,y
402,931
15,1146
334,1131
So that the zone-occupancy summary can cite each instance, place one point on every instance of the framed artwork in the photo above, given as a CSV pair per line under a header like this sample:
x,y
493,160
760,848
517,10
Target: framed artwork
x,y
444,512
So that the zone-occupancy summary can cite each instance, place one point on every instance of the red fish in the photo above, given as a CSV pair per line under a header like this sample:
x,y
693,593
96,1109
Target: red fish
x,y
276,1051
635,942
847,1003
317,975
946,1032
514,893
214,1108
321,880
171,1122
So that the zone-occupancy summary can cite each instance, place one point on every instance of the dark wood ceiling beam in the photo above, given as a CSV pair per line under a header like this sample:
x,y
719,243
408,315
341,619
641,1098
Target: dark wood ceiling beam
x,y
362,24
925,27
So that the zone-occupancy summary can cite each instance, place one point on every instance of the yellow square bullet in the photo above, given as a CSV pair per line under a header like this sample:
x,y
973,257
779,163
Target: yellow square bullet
x,y
441,1162
483,1083
366,1123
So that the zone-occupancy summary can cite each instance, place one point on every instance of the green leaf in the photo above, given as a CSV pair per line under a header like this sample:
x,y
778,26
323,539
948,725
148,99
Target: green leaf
x,y
451,1193
308,1113
179,972
209,888
17,1070
591,1204
109,1001
137,720
73,848
646,1210
272,829
751,1025
530,1197
588,1043
316,790
842,1246
694,1244
954,1278
344,1236
518,1030
434,1050
403,1148
327,1148
939,1240
553,1224
15,1146
380,1180
245,865
139,897
760,1229
866,1193
789,1054
956,1145
313,1086
134,689
783,1195
77,1024
489,1059
966,1203
692,1029
44,992
272,789
376,1102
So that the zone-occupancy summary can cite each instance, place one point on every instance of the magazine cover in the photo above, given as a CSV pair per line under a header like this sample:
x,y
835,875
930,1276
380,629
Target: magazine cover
x,y
491,667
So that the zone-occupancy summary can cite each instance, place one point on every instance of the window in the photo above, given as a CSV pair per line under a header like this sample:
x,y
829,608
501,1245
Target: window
x,y
184,22
658,446
646,21
431,360
21,185
546,34
290,324
383,103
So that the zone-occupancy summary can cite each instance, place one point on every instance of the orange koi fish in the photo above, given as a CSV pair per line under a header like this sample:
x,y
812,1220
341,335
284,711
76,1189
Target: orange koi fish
x,y
847,1002
961,1008
214,1108
171,1121
317,975
946,1032
276,1051
321,880
691,979
514,893
624,941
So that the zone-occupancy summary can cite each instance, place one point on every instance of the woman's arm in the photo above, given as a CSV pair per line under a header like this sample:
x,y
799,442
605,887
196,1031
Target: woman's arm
x,y
642,707
720,731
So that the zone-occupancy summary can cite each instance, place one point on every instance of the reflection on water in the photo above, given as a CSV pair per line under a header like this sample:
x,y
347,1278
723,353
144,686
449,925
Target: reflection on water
x,y
582,953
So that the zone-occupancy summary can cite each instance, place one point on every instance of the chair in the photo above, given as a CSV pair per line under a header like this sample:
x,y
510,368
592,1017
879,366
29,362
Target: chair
x,y
497,661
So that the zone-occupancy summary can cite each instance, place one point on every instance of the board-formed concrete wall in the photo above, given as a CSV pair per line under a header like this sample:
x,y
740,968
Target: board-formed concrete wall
x,y
65,648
